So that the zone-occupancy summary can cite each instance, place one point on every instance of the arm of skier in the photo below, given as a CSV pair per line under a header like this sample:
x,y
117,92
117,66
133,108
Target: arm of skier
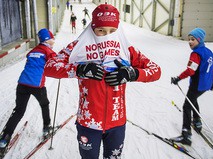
x,y
59,67
148,70
193,64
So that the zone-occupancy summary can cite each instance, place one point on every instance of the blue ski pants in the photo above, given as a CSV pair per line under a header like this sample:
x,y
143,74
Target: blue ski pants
x,y
89,141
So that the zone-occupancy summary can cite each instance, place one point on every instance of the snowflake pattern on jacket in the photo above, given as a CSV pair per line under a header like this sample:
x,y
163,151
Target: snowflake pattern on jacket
x,y
101,106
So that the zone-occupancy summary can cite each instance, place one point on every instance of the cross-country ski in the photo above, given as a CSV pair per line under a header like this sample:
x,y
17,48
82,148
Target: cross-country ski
x,y
109,71
45,140
13,141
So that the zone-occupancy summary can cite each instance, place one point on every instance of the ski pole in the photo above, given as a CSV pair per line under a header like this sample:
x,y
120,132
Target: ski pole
x,y
173,103
194,108
167,141
56,105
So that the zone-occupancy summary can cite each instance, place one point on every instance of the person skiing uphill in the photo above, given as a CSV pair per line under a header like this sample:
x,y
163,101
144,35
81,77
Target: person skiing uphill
x,y
31,82
200,71
73,19
103,64
84,22
86,13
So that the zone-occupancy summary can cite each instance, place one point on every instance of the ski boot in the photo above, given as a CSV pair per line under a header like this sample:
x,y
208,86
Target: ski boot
x,y
197,124
185,138
4,142
47,130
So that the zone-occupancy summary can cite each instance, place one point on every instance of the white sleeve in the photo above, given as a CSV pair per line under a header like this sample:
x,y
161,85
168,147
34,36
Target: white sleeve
x,y
192,65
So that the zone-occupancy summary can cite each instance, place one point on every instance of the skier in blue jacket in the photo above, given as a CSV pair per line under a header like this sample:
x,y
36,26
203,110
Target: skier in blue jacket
x,y
200,71
31,82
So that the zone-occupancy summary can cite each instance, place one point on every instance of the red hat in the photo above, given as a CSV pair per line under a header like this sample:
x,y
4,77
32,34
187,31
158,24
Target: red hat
x,y
105,15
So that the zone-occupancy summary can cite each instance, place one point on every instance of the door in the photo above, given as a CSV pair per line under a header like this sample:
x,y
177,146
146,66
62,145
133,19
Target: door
x,y
10,25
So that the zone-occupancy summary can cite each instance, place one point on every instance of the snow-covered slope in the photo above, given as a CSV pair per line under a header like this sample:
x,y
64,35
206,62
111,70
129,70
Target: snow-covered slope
x,y
148,104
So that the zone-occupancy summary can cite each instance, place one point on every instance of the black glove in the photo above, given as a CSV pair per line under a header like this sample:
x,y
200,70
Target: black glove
x,y
90,70
121,75
212,88
175,80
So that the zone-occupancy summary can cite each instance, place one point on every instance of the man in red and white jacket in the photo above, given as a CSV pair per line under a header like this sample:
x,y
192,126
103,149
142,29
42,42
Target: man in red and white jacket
x,y
104,62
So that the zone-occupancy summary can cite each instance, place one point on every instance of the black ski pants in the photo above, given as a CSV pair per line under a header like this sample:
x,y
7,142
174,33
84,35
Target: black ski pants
x,y
22,97
192,94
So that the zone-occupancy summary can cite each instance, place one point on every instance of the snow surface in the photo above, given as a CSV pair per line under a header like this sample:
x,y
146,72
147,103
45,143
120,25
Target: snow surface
x,y
148,104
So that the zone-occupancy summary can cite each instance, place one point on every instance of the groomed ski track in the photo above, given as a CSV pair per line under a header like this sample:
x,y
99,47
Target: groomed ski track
x,y
148,104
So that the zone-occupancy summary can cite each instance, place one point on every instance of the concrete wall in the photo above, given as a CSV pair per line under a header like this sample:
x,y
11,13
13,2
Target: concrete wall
x,y
15,51
42,14
197,13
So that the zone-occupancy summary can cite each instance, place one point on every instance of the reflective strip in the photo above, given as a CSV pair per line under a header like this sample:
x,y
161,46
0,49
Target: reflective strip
x,y
192,65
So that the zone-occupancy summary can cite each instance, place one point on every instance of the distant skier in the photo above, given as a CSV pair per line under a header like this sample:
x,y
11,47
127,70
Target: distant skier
x,y
68,4
71,7
86,13
200,71
84,22
73,22
31,82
